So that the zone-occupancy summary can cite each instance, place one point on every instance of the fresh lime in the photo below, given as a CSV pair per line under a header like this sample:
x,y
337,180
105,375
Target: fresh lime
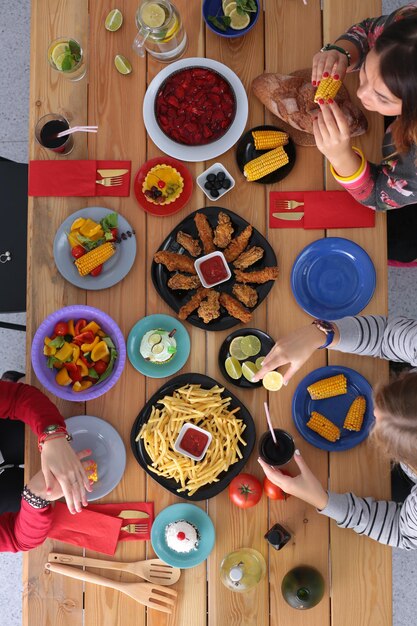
x,y
60,50
64,62
233,367
249,370
250,345
272,381
229,7
259,362
235,349
238,21
122,64
114,20
153,15
154,339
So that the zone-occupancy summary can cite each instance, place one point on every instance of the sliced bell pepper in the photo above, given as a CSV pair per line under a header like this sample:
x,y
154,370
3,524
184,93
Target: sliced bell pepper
x,y
99,351
74,372
83,367
65,352
81,338
63,378
93,326
76,350
89,346
82,385
71,329
80,324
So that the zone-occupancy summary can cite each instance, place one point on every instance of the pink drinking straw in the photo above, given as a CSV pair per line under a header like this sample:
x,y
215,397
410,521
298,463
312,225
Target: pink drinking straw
x,y
268,419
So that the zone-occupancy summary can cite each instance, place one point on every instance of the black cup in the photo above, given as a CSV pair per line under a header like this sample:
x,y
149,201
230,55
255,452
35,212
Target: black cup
x,y
279,454
277,536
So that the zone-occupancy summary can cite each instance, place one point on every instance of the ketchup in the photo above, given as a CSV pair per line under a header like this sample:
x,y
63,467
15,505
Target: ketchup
x,y
194,441
213,270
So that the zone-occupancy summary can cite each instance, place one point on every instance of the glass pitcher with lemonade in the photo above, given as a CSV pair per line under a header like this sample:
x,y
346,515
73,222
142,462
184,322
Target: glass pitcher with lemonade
x,y
161,31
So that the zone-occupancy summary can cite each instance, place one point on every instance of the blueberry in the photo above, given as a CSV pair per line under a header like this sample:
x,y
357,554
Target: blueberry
x,y
214,193
220,176
217,184
153,189
211,177
158,193
208,185
226,183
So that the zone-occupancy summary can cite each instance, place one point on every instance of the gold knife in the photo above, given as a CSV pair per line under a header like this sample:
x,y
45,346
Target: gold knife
x,y
289,216
133,514
109,173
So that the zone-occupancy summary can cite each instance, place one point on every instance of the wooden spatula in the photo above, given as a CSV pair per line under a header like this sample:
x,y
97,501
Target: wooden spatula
x,y
154,596
154,570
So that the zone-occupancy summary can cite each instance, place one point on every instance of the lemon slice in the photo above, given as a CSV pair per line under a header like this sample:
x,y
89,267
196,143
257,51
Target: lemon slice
x,y
114,20
235,349
250,345
60,60
259,362
237,21
153,15
58,51
249,370
229,7
272,381
233,367
122,64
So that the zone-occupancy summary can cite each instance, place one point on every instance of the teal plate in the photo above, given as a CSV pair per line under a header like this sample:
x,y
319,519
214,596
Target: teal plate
x,y
165,322
195,516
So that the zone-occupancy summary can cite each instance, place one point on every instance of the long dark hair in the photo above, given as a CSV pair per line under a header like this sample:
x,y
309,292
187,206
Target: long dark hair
x,y
397,51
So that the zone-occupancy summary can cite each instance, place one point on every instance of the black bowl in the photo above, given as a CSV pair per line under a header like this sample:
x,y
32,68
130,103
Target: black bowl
x,y
267,343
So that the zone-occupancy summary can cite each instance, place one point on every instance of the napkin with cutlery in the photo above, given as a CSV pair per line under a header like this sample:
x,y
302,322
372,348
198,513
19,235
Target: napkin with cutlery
x,y
77,178
97,527
322,209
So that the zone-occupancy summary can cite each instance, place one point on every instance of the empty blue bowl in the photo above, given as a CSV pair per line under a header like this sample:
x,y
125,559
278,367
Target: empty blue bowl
x,y
214,8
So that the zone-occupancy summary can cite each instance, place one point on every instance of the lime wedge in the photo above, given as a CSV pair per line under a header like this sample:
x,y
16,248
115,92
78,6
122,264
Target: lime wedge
x,y
58,51
153,15
154,339
272,381
249,370
122,64
250,345
114,20
258,362
233,367
238,22
157,348
235,349
229,7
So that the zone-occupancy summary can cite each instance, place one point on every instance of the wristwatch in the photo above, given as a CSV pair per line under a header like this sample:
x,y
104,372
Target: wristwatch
x,y
327,328
53,429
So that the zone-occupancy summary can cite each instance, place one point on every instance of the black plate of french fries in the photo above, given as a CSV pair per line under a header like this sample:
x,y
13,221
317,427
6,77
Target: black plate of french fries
x,y
177,298
202,401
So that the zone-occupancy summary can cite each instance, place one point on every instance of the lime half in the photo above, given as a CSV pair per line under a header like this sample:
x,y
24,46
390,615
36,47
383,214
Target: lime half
x,y
122,64
238,22
114,20
153,15
235,349
249,370
259,362
233,367
272,381
250,345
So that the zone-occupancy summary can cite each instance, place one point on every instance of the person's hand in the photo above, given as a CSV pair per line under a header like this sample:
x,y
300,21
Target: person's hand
x,y
332,135
60,462
330,63
304,486
37,484
295,349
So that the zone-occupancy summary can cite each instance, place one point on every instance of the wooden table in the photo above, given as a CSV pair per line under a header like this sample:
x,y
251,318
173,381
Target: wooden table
x,y
357,570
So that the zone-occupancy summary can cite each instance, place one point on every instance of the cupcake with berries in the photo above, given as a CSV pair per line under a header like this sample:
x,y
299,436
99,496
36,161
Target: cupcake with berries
x,y
163,184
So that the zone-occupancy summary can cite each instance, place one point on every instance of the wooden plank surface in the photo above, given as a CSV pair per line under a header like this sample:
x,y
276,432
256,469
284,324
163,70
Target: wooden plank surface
x,y
360,585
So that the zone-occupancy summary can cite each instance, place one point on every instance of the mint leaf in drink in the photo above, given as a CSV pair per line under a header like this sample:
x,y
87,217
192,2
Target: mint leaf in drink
x,y
246,6
221,22
75,50
67,63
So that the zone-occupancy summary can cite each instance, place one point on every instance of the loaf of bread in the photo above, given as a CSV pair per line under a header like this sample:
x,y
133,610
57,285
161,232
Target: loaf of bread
x,y
291,98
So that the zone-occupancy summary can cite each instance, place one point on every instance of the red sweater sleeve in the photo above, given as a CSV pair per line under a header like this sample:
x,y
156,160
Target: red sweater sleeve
x,y
24,530
28,404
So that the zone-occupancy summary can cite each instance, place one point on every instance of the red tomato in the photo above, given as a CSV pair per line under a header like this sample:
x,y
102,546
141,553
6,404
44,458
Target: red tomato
x,y
97,270
115,233
61,329
77,251
273,491
245,491
100,367
79,326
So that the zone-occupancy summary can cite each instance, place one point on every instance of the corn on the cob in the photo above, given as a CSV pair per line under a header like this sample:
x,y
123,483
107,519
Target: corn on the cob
x,y
328,88
328,387
355,414
268,139
324,427
88,262
265,164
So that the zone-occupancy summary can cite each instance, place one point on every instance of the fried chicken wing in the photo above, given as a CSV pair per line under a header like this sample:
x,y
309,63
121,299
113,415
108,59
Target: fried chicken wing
x,y
234,308
259,277
247,295
181,281
238,244
191,245
224,231
193,303
174,261
209,308
249,257
205,232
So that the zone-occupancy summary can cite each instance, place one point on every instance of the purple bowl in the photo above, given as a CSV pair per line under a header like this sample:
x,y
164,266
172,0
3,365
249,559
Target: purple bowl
x,y
46,376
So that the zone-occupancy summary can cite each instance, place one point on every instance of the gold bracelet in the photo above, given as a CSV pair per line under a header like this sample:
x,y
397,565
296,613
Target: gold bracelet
x,y
359,171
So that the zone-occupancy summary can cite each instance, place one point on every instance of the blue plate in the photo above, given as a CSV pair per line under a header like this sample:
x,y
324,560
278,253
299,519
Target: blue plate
x,y
114,270
195,516
214,8
334,409
164,322
332,278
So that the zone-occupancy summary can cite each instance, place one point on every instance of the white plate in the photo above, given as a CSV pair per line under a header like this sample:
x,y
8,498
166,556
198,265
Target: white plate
x,y
207,151
107,450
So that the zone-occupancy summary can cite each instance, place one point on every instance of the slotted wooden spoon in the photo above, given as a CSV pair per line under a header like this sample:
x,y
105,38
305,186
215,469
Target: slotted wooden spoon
x,y
154,570
154,596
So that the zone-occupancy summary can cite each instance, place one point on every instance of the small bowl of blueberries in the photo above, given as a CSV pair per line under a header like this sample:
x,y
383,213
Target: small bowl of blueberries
x,y
215,181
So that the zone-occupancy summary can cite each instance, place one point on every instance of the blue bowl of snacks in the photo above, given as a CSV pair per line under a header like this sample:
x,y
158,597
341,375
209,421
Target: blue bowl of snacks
x,y
230,18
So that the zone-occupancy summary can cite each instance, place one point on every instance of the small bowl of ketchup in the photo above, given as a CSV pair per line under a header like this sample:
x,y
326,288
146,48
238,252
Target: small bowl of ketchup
x,y
212,269
192,441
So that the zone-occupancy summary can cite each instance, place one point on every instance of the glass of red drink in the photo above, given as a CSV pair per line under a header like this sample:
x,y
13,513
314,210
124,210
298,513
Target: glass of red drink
x,y
276,454
46,131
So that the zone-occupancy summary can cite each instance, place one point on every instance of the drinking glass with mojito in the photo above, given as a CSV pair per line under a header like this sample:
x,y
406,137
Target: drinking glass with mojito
x,y
66,56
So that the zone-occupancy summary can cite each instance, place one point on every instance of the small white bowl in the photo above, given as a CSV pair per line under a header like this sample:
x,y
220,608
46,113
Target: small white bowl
x,y
197,265
214,169
184,429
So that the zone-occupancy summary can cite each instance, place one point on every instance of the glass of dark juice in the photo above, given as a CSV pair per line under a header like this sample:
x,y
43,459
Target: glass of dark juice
x,y
46,131
276,454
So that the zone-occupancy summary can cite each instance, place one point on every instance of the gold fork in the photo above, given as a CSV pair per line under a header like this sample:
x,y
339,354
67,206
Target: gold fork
x,y
110,182
287,204
136,529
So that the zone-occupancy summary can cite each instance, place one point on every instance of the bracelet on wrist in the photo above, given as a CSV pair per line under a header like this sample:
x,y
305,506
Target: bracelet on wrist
x,y
331,46
359,171
327,328
35,501
51,432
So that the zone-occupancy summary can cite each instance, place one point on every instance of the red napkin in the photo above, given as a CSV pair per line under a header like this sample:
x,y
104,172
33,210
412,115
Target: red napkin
x,y
322,209
115,508
75,178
